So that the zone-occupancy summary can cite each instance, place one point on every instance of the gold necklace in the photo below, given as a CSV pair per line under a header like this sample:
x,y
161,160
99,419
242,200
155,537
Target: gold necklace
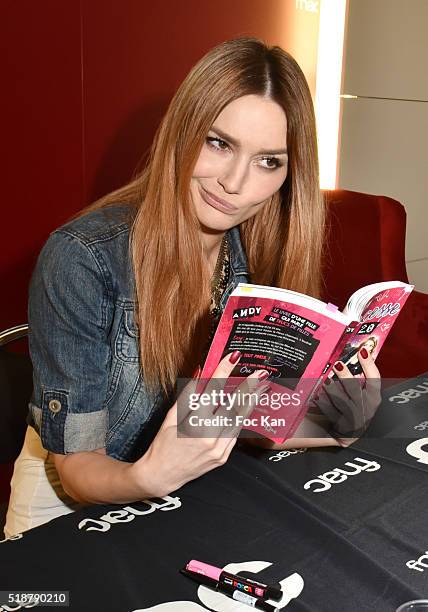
x,y
219,277
219,282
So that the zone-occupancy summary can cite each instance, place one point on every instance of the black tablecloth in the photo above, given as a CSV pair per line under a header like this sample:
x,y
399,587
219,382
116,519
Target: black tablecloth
x,y
342,529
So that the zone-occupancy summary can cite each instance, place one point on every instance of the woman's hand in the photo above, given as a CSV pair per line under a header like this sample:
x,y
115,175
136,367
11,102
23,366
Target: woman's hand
x,y
181,451
350,402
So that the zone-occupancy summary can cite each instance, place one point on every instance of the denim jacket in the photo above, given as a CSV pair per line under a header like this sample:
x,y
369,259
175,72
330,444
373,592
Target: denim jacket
x,y
89,391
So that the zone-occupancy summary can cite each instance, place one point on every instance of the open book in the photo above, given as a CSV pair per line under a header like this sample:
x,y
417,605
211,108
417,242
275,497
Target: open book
x,y
298,339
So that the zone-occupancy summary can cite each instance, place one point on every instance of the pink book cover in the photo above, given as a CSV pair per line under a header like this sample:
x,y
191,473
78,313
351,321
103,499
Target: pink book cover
x,y
292,342
376,321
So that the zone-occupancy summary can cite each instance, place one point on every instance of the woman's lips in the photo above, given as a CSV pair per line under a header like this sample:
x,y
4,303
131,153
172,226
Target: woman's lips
x,y
216,202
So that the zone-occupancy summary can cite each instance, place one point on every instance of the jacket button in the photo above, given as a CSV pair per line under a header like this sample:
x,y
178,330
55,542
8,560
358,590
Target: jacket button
x,y
55,406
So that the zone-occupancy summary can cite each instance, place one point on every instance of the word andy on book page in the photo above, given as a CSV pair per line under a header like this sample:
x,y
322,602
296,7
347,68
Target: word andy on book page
x,y
297,339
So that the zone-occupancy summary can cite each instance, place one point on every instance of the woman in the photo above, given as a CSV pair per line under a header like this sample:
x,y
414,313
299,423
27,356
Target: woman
x,y
124,298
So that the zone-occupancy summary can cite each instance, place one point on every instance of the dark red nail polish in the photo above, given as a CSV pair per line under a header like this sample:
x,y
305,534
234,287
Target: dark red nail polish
x,y
235,356
339,366
263,375
328,381
364,353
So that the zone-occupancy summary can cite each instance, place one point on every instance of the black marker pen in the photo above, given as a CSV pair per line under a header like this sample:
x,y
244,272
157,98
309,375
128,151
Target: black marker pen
x,y
247,585
249,600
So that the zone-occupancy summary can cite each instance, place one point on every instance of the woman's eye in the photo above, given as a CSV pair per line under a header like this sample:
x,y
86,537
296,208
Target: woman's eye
x,y
270,163
217,143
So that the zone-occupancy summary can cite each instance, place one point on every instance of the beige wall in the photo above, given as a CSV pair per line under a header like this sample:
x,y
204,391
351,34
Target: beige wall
x,y
384,133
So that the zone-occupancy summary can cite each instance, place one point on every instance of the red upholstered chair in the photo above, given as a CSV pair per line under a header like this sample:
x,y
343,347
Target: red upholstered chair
x,y
366,244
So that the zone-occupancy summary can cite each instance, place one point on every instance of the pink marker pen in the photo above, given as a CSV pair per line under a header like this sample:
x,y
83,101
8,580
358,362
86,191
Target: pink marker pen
x,y
246,585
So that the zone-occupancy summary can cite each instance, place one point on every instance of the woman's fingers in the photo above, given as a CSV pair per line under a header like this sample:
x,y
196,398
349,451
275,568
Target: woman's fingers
x,y
371,373
209,408
346,403
341,370
373,382
354,399
343,375
254,388
357,387
217,382
219,407
340,393
347,397
243,398
325,404
226,365
343,399
195,402
369,367
183,406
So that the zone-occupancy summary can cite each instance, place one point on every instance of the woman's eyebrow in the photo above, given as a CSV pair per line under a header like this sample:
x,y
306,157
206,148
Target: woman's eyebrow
x,y
236,143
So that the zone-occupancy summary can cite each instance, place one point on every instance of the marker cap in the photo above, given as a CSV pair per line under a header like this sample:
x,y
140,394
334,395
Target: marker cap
x,y
204,568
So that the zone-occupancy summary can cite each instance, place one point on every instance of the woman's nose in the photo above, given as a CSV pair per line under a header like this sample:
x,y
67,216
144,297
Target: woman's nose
x,y
233,177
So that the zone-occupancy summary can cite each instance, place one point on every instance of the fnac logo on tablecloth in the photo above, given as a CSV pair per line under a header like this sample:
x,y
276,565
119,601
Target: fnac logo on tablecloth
x,y
421,426
420,564
415,450
408,394
286,453
5,608
128,513
339,475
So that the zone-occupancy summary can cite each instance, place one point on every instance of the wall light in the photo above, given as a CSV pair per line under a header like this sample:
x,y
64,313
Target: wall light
x,y
328,83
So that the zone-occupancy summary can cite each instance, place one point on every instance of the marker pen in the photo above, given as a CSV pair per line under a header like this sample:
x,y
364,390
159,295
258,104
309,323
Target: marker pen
x,y
247,585
249,600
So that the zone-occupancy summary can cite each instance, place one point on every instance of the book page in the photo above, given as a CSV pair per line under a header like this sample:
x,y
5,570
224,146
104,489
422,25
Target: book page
x,y
360,301
377,316
292,297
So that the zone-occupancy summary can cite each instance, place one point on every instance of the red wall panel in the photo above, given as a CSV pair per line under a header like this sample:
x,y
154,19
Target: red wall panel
x,y
41,159
87,83
136,54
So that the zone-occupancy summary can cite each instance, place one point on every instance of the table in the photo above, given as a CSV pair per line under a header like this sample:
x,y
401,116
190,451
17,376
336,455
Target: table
x,y
341,529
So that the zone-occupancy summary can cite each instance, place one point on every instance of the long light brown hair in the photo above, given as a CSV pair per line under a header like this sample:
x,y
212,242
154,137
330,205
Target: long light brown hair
x,y
283,242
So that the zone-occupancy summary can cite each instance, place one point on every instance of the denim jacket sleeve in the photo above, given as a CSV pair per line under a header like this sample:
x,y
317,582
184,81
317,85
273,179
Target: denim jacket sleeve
x,y
69,319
